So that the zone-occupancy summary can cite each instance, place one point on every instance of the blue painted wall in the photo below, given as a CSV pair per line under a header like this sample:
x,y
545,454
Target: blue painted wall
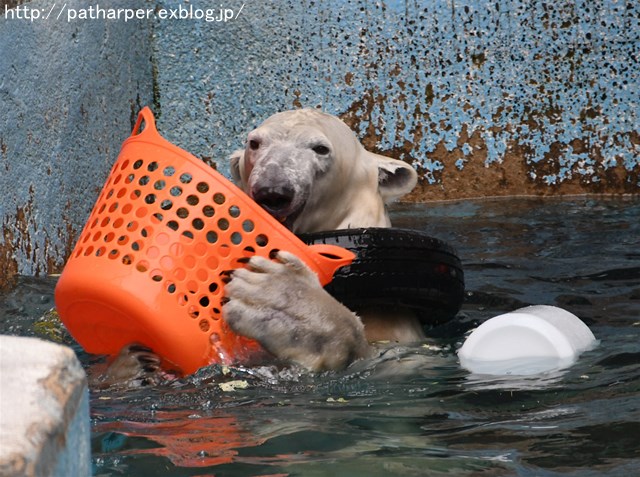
x,y
68,92
556,85
483,97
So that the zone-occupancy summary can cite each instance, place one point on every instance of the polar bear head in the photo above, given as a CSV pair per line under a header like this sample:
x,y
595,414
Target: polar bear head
x,y
308,170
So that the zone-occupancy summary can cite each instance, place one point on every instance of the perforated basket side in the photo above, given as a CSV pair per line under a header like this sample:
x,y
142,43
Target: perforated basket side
x,y
167,230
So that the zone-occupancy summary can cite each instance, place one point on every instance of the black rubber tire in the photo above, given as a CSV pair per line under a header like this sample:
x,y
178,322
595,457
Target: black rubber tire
x,y
397,267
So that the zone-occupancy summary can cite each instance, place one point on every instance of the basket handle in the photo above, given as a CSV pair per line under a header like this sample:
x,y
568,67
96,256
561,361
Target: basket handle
x,y
329,258
144,116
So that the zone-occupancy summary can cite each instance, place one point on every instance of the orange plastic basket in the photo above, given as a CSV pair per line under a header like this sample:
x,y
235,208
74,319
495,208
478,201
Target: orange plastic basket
x,y
149,264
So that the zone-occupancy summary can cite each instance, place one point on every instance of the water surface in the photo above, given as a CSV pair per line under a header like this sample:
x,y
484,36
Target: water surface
x,y
413,410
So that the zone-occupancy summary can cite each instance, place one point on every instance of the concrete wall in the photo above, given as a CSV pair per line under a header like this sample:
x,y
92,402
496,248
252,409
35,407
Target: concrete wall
x,y
68,93
483,97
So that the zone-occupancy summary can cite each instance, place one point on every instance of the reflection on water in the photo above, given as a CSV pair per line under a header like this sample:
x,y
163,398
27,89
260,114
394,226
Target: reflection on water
x,y
414,411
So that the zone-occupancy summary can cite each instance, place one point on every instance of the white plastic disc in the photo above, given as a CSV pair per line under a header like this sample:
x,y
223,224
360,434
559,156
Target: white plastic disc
x,y
526,341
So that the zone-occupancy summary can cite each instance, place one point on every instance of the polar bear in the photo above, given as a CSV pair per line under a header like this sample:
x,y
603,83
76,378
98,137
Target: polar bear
x,y
309,171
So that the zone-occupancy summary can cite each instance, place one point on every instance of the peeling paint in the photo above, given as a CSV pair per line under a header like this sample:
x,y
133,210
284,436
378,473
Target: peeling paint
x,y
526,79
8,262
482,97
66,95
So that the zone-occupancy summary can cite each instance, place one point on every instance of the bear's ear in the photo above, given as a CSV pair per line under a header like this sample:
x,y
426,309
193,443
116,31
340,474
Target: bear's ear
x,y
234,165
395,178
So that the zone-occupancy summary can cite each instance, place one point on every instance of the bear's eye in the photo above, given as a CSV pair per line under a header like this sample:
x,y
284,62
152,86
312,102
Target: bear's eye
x,y
254,144
320,149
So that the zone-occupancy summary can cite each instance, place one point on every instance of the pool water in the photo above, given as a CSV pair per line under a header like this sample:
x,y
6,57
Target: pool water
x,y
413,410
